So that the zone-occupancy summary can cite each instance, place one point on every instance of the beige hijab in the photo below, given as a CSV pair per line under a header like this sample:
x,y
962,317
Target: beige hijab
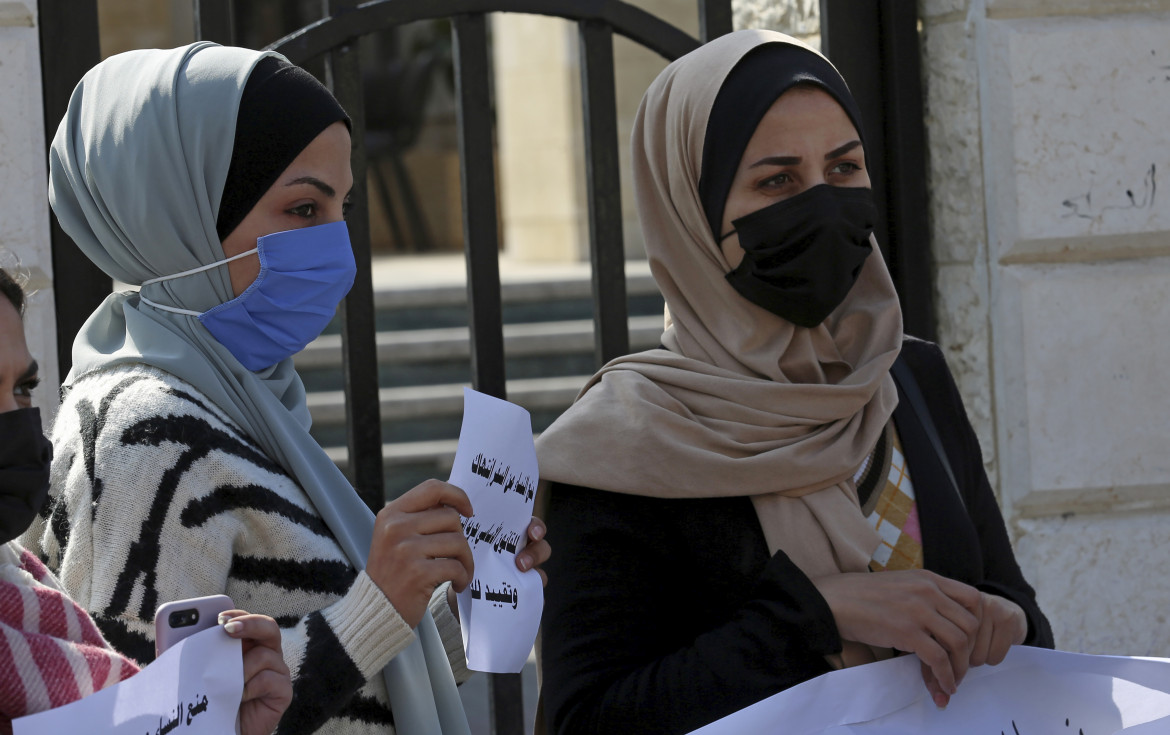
x,y
741,402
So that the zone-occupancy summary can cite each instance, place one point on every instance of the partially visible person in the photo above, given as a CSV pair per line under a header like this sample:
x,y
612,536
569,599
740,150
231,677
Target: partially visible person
x,y
51,653
791,484
217,179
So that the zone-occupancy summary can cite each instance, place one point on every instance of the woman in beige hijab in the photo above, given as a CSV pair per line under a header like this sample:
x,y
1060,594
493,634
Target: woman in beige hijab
x,y
721,502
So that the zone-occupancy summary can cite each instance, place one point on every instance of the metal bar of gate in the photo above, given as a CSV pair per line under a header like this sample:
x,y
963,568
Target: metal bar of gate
x,y
849,38
478,184
611,336
215,21
481,244
862,40
906,165
363,419
634,23
714,19
69,48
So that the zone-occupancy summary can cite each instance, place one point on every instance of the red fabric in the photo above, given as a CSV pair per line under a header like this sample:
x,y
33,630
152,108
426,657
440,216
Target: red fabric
x,y
51,653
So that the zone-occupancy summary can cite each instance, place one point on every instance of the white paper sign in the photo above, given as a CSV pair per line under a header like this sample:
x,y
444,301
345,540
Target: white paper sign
x,y
1033,692
194,688
495,465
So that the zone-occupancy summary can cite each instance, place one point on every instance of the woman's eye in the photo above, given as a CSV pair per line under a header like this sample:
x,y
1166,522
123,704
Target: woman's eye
x,y
845,167
307,211
25,389
773,182
346,206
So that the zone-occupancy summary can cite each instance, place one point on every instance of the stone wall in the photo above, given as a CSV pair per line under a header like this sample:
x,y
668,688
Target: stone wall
x,y
799,18
24,208
1046,126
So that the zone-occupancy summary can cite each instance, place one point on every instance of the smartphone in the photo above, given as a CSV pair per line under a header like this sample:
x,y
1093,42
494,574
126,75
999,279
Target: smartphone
x,y
174,621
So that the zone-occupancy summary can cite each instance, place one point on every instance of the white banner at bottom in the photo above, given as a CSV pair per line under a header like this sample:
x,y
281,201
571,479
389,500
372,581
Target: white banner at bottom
x,y
194,688
1033,692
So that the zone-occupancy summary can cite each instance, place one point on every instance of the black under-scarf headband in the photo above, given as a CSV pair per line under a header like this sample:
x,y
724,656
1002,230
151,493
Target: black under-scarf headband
x,y
283,108
752,86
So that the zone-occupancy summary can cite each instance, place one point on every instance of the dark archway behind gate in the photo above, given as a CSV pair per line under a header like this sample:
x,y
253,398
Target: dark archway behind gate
x,y
875,44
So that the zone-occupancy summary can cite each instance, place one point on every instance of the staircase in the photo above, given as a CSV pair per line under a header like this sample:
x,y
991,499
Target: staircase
x,y
424,355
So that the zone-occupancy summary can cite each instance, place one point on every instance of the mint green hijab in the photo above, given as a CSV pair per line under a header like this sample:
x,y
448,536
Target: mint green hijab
x,y
137,169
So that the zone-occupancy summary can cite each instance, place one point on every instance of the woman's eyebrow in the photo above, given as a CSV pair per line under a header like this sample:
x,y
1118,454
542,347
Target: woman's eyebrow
x,y
777,161
326,189
842,150
29,372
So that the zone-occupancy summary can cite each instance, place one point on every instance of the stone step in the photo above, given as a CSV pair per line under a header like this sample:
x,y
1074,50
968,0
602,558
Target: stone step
x,y
639,282
424,357
406,464
419,402
437,356
426,304
453,343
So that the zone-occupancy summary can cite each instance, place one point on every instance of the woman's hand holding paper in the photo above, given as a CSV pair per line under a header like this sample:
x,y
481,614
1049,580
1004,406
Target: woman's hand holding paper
x,y
915,611
537,551
1002,625
419,544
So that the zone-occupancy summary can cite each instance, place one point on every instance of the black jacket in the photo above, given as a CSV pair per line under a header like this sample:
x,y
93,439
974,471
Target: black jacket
x,y
662,615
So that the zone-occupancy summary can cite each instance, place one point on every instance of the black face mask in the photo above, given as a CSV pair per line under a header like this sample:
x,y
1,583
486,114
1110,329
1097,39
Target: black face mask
x,y
25,456
802,255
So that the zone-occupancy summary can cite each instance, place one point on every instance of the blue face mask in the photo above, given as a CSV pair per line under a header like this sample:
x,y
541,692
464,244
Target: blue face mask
x,y
304,275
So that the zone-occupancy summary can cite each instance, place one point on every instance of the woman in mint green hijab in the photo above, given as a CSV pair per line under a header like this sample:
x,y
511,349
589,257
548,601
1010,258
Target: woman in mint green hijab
x,y
217,180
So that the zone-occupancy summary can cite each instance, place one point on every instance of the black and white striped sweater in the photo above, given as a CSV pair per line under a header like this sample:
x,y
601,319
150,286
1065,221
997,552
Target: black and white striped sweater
x,y
157,496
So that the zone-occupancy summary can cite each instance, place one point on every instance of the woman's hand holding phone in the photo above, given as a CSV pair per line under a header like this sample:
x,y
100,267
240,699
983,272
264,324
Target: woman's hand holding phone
x,y
267,681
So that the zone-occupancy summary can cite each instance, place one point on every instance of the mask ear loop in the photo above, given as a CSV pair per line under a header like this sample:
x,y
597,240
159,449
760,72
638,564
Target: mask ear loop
x,y
193,271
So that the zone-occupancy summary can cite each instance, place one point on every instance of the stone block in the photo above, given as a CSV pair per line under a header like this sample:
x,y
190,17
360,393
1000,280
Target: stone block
x,y
1076,138
1081,385
930,10
955,164
1040,8
801,18
1098,579
965,338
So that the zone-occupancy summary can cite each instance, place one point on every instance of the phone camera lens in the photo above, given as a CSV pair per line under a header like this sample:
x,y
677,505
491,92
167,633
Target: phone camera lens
x,y
183,618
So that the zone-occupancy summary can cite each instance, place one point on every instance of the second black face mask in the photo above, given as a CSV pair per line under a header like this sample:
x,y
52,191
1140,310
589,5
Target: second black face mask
x,y
25,456
803,255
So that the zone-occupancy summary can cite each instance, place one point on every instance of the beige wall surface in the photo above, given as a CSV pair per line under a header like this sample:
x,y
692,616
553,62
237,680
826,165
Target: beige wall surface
x,y
24,208
1046,127
125,25
541,142
540,134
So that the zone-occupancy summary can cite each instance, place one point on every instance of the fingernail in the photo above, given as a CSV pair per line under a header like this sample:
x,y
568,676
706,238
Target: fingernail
x,y
537,533
234,626
940,701
524,562
223,618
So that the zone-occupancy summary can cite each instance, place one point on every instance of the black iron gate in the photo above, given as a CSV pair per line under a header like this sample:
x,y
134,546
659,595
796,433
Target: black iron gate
x,y
875,44
336,36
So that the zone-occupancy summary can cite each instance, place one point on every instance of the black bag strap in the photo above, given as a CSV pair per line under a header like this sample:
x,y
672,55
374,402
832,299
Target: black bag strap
x,y
909,386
